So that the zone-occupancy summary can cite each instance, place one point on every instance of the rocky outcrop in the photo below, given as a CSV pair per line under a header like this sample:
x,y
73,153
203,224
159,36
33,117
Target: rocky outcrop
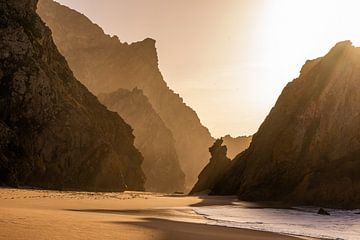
x,y
153,139
104,64
215,169
323,212
236,145
307,150
53,132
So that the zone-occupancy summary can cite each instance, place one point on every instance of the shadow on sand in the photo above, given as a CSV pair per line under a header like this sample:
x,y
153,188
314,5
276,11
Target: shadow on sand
x,y
168,222
177,230
174,230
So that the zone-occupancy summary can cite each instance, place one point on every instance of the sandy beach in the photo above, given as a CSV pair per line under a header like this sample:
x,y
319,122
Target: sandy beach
x,y
40,214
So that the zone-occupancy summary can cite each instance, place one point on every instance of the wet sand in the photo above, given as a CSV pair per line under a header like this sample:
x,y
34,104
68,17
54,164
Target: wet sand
x,y
40,215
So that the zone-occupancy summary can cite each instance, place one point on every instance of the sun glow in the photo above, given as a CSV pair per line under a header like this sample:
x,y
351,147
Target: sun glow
x,y
294,31
285,35
280,36
229,60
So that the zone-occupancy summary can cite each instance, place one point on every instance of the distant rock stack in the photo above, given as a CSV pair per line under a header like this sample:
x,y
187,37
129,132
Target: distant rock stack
x,y
53,132
235,145
307,151
103,64
215,169
153,139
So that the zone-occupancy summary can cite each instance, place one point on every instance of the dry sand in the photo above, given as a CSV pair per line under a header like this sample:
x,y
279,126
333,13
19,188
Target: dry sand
x,y
40,215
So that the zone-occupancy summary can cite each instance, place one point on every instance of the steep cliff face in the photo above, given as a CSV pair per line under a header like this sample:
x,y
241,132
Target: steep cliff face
x,y
308,148
153,139
104,64
236,145
215,169
54,132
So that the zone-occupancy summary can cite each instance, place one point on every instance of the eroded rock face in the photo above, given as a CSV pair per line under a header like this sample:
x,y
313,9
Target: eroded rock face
x,y
308,149
104,64
53,132
215,169
153,139
236,145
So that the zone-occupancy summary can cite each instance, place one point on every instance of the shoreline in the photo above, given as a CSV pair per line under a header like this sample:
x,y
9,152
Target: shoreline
x,y
44,214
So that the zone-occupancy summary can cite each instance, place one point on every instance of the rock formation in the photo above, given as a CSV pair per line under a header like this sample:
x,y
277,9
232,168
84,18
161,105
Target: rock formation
x,y
104,64
323,212
53,132
307,150
236,145
215,169
153,139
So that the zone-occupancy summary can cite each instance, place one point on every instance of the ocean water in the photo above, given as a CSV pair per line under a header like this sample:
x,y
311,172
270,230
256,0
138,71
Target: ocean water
x,y
299,221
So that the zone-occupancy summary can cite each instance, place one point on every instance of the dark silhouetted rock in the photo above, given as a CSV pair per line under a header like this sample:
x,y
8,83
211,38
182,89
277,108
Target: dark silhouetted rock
x,y
215,169
236,145
53,132
153,139
323,212
308,148
104,64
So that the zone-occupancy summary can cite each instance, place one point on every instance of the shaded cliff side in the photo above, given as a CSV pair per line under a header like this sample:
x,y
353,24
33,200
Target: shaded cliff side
x,y
154,140
214,170
104,64
53,132
236,145
308,149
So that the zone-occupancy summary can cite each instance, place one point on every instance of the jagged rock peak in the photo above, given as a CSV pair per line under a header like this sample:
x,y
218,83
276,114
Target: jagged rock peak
x,y
147,42
343,45
339,48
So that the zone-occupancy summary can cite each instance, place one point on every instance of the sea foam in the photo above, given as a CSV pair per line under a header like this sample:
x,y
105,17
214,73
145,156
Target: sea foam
x,y
299,221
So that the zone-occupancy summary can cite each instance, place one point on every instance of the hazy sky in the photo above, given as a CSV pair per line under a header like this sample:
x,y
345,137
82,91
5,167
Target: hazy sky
x,y
229,59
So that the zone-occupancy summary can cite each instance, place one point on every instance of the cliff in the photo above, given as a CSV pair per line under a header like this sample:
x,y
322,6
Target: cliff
x,y
54,132
307,150
214,170
153,139
104,64
236,145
